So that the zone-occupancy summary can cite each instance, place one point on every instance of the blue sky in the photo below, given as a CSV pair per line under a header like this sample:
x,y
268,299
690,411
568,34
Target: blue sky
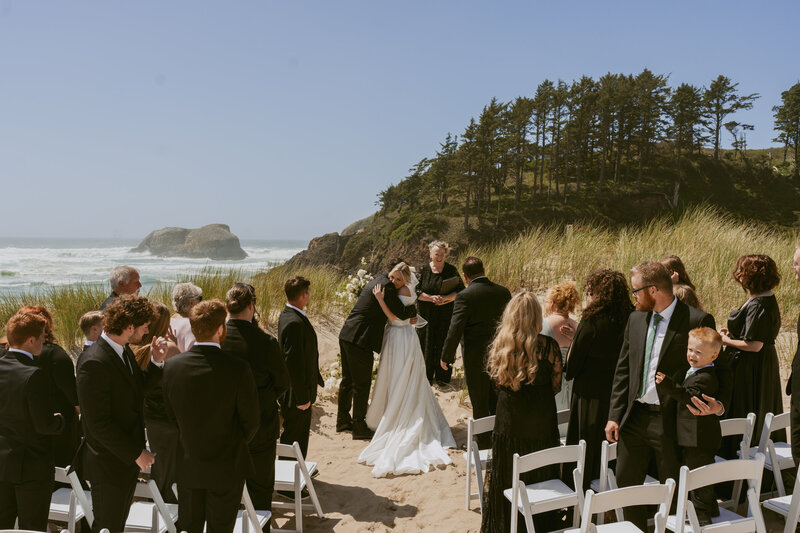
x,y
285,119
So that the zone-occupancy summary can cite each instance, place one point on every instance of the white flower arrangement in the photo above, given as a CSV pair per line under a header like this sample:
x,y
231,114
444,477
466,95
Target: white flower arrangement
x,y
354,284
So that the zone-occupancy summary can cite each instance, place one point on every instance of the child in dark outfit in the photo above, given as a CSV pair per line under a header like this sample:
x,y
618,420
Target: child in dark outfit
x,y
699,437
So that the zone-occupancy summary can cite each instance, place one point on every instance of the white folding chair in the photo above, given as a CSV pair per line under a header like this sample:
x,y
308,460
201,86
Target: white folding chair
x,y
154,515
477,459
65,504
751,470
295,476
562,417
250,518
546,495
778,454
608,479
616,499
788,506
730,428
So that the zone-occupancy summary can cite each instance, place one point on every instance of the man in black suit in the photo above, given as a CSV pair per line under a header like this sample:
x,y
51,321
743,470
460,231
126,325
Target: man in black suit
x,y
362,334
27,423
793,386
124,280
110,397
641,417
476,313
213,399
248,342
299,343
699,437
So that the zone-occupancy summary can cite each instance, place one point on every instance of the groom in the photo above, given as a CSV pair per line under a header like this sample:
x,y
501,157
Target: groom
x,y
362,334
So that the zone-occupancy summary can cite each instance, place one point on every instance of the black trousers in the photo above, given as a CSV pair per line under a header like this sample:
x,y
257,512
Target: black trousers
x,y
262,484
641,439
296,426
28,501
704,500
163,436
357,365
217,507
111,503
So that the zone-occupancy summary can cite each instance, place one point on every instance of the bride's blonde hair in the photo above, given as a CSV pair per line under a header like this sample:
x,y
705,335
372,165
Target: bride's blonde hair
x,y
513,358
404,270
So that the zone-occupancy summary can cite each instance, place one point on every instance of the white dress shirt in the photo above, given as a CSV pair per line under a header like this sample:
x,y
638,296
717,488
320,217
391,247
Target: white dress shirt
x,y
650,395
29,354
207,344
297,309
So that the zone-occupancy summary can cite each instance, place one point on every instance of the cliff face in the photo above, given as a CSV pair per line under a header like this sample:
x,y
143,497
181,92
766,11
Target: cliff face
x,y
214,241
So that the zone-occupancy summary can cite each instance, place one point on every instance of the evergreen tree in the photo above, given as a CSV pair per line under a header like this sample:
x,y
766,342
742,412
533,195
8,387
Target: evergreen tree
x,y
721,99
787,123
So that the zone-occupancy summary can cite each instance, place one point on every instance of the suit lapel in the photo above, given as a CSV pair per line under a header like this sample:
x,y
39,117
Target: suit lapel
x,y
638,343
116,360
679,316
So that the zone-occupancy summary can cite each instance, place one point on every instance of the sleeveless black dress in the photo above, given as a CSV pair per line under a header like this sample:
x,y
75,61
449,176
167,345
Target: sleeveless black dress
x,y
525,423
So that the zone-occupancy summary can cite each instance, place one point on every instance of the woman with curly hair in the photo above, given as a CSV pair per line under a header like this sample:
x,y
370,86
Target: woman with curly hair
x,y
561,301
749,342
526,368
592,362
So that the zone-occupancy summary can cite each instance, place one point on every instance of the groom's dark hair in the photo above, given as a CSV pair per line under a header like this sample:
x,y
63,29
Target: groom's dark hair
x,y
472,267
393,262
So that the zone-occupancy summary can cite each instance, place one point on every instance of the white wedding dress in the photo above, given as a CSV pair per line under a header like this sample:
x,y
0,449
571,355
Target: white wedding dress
x,y
411,432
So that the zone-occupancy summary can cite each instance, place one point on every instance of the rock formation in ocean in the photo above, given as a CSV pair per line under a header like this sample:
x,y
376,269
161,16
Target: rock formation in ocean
x,y
214,241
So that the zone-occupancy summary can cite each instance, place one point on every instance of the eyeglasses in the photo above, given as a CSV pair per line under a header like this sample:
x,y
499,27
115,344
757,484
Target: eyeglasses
x,y
634,291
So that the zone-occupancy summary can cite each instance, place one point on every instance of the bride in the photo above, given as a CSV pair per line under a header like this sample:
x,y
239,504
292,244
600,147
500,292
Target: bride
x,y
411,432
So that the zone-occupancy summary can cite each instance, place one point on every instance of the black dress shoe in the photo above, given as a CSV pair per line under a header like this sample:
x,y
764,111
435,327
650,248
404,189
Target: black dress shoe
x,y
361,431
344,426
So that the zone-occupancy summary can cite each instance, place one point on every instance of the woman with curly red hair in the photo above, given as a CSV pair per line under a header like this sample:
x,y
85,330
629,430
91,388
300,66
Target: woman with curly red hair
x,y
749,342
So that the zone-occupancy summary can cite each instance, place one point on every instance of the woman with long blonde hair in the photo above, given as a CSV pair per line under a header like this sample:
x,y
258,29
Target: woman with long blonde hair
x,y
525,366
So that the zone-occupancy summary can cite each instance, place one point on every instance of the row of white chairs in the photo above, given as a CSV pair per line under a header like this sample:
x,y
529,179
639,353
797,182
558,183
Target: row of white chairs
x,y
151,514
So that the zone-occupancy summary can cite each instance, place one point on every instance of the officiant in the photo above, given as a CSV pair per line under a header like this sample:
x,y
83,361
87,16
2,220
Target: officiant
x,y
439,282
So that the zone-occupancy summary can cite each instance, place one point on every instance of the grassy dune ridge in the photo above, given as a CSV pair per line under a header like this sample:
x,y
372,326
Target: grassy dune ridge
x,y
708,241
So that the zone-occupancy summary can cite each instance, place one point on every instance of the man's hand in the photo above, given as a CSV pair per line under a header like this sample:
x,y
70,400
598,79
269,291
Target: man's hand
x,y
700,408
612,431
444,365
304,406
145,460
659,377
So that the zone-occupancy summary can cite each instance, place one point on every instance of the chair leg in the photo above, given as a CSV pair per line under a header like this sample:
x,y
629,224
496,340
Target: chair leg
x,y
469,480
298,506
576,516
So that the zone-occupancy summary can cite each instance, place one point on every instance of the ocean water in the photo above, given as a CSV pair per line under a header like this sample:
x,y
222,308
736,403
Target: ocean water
x,y
34,264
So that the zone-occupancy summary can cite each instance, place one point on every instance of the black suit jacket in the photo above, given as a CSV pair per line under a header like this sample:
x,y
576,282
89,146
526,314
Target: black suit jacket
x,y
212,397
111,402
263,354
299,343
26,421
672,361
694,431
60,369
365,324
476,313
111,297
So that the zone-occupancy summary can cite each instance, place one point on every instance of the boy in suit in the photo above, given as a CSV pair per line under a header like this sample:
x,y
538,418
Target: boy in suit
x,y
91,325
698,437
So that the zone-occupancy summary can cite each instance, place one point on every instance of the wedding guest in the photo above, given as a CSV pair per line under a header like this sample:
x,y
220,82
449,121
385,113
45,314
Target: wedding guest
x,y
526,368
687,295
162,433
561,301
184,297
793,386
677,271
124,280
248,342
749,342
477,311
27,423
110,385
299,343
592,361
213,398
59,372
436,308
91,325
361,335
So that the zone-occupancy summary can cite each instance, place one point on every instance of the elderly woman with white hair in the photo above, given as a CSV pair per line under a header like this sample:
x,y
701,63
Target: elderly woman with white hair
x,y
184,297
439,283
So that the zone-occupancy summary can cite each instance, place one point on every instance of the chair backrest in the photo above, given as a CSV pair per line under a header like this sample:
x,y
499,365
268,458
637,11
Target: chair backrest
x,y
739,426
478,426
608,453
573,453
660,495
293,450
750,470
250,516
80,494
61,475
772,423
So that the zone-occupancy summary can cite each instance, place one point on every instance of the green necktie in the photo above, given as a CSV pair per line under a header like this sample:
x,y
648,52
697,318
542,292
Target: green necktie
x,y
648,348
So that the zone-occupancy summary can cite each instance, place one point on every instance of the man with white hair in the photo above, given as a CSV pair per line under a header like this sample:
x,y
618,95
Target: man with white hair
x,y
124,280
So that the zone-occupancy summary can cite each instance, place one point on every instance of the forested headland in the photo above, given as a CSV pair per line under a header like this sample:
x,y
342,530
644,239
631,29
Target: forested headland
x,y
618,150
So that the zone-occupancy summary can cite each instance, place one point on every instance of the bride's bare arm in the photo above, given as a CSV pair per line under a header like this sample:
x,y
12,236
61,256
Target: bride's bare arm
x,y
377,291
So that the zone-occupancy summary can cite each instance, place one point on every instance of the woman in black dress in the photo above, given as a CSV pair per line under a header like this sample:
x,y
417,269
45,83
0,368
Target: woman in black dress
x,y
436,308
592,361
749,342
526,368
